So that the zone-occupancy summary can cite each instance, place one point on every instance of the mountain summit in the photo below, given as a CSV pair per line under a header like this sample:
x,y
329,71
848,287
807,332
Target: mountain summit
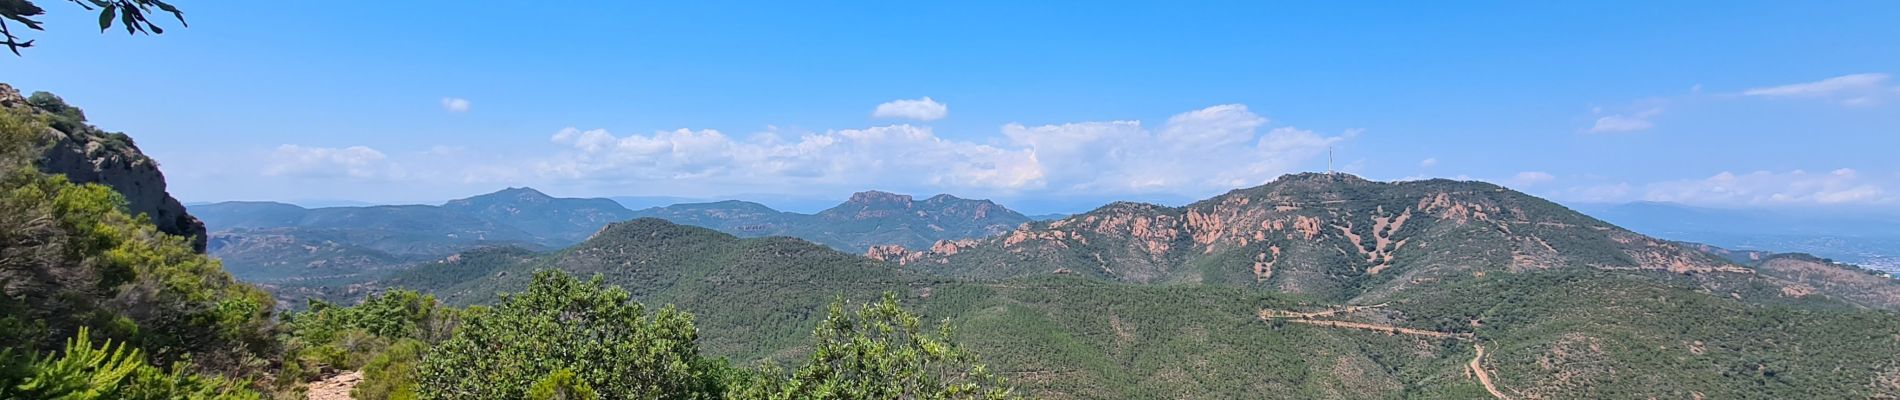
x,y
876,198
1335,236
866,220
566,220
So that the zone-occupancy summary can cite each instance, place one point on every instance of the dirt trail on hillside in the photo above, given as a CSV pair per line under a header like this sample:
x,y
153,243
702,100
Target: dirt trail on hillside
x,y
1270,313
1476,365
1383,328
1477,368
336,387
1306,318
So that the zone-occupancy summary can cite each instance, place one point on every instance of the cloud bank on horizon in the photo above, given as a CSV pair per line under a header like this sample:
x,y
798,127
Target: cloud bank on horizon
x,y
1191,154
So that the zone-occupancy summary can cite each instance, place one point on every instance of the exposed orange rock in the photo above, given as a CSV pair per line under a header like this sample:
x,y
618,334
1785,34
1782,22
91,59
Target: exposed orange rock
x,y
893,253
1262,266
1206,228
1451,209
1307,225
951,247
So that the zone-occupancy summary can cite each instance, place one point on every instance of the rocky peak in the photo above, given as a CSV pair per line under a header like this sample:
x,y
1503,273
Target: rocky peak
x,y
523,193
10,98
517,195
85,154
874,197
948,199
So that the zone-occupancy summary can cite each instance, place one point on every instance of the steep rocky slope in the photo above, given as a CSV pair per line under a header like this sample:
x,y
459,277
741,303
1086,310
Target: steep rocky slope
x,y
1334,236
87,154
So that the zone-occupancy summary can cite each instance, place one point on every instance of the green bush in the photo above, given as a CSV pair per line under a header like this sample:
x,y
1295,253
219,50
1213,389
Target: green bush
x,y
879,352
109,371
391,375
609,342
561,385
327,337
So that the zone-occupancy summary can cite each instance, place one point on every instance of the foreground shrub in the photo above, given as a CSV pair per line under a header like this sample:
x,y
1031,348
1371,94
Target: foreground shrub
x,y
607,341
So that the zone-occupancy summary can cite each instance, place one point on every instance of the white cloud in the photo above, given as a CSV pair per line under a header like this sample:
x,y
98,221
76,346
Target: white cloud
x,y
1857,90
1428,163
1217,147
1824,87
1200,152
1528,178
885,155
923,109
1841,186
1626,122
324,162
455,104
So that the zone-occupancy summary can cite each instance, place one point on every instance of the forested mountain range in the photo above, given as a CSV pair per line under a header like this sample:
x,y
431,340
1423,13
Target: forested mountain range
x,y
330,251
868,219
1312,286
283,244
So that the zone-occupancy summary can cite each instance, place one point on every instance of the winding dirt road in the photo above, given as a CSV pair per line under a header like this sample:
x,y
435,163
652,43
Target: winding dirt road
x,y
1477,368
1476,365
1270,313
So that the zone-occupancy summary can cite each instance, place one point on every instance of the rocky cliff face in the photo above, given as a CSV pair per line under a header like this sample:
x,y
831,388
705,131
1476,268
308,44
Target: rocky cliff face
x,y
86,154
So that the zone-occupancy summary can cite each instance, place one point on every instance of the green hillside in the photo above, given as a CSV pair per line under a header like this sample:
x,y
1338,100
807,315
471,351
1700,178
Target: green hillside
x,y
755,298
1078,336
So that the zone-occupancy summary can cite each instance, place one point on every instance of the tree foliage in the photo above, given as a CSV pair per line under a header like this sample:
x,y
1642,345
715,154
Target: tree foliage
x,y
133,15
328,337
880,351
391,374
110,371
610,344
561,385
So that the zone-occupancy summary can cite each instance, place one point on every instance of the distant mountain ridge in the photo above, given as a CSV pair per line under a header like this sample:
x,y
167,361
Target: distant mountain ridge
x,y
866,220
1312,286
334,248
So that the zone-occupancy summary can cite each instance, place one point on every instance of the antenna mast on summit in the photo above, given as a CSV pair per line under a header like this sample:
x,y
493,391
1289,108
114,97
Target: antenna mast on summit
x,y
1329,160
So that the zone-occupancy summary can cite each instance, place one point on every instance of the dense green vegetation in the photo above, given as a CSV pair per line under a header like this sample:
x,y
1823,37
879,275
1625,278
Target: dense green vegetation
x,y
74,261
82,371
756,298
1606,335
567,338
328,338
582,329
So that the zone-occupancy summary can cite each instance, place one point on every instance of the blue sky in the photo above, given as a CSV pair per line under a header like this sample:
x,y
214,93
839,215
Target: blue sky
x,y
1044,106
